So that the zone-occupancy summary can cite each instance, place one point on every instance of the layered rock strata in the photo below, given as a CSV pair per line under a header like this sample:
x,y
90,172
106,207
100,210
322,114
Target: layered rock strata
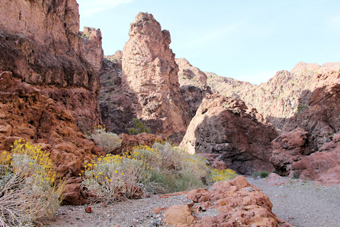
x,y
224,126
40,44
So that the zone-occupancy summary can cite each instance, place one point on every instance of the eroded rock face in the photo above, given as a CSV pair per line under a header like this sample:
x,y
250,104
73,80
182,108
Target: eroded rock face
x,y
193,84
39,43
309,147
149,74
92,47
279,98
28,115
224,126
238,204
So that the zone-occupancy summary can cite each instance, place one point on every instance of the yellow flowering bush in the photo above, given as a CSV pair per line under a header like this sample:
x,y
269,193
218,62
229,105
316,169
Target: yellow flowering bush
x,y
107,140
216,175
27,189
113,177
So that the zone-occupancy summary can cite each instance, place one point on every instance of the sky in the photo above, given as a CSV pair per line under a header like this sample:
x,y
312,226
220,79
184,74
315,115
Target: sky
x,y
244,39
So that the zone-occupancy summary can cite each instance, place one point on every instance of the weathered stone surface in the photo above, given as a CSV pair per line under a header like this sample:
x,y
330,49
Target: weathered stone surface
x,y
193,84
141,139
28,115
238,204
279,98
92,47
310,147
39,43
149,74
225,127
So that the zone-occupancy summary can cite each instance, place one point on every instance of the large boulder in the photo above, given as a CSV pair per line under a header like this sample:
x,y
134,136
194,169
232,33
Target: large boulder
x,y
224,126
40,44
235,203
149,74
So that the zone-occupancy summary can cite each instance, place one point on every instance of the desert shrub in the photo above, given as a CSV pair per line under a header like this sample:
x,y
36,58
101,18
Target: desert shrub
x,y
216,175
113,178
139,127
261,174
107,140
27,188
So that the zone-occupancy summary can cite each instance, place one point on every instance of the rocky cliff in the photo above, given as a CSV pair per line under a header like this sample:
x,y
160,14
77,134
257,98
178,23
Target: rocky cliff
x,y
193,84
150,75
226,127
278,98
40,44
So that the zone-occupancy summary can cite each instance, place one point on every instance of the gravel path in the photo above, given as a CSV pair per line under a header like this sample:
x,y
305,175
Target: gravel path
x,y
303,204
300,203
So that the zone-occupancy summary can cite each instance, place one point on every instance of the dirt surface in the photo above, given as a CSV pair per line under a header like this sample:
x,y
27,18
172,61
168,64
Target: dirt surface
x,y
300,203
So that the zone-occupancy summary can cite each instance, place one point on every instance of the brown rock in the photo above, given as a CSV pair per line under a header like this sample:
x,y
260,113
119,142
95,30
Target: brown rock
x,y
39,43
128,142
179,215
223,126
88,209
150,75
35,118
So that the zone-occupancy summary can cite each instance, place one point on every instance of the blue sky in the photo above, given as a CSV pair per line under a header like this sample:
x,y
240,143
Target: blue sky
x,y
243,39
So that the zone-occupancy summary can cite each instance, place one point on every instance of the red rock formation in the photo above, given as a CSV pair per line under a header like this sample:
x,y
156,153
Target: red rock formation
x,y
150,75
26,114
278,98
238,204
39,43
309,147
142,139
92,47
193,84
223,126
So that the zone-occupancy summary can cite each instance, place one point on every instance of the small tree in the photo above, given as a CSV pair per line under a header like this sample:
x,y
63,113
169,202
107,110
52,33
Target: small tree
x,y
139,127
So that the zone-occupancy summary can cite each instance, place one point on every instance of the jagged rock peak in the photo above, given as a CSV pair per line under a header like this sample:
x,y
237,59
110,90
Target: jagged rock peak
x,y
150,73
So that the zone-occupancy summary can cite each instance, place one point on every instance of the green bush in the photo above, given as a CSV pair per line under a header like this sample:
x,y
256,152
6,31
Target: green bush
x,y
107,140
261,174
139,127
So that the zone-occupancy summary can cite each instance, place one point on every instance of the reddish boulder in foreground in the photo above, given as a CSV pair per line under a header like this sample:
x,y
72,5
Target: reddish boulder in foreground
x,y
238,203
223,126
26,114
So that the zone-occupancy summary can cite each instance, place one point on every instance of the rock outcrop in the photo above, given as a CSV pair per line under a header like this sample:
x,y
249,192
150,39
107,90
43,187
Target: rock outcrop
x,y
238,204
309,147
28,115
92,47
150,75
224,126
40,44
193,84
278,99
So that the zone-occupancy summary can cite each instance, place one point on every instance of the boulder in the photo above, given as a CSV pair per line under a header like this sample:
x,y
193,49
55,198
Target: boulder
x,y
225,127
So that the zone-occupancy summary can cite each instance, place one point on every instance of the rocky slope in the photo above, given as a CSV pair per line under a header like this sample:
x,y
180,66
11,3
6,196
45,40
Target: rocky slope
x,y
149,75
40,44
278,98
226,127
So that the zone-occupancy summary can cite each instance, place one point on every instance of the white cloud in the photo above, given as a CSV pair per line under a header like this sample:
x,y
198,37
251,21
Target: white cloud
x,y
90,7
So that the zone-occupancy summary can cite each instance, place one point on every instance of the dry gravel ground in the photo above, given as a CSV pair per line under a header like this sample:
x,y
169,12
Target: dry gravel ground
x,y
300,203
